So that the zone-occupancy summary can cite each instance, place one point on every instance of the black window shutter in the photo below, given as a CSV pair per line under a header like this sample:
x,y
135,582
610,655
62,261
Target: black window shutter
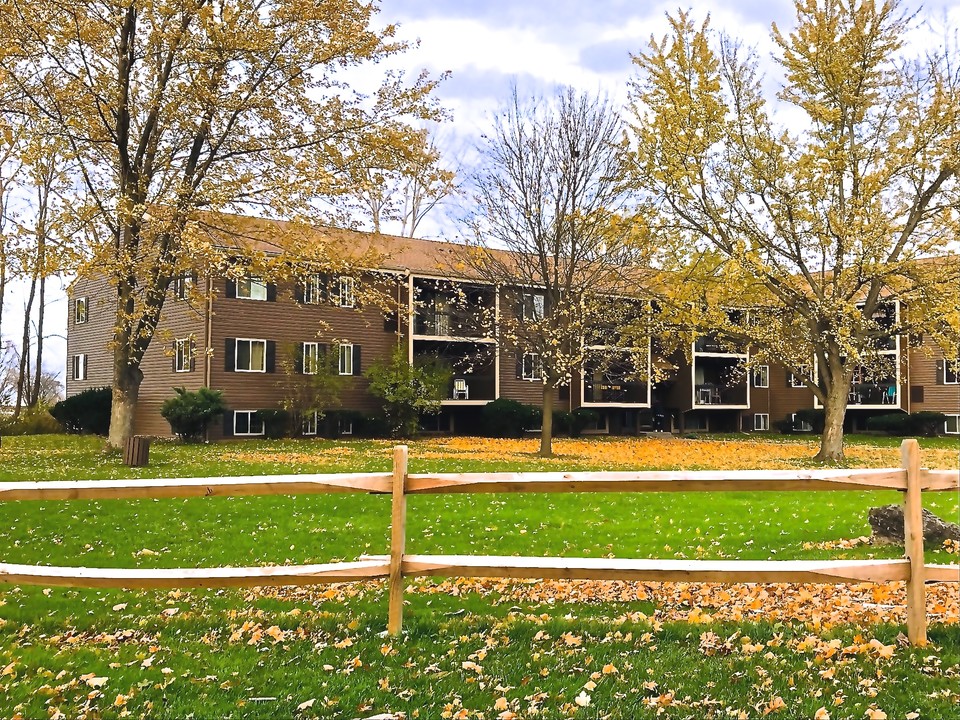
x,y
230,290
519,364
271,292
940,373
174,358
298,290
230,355
193,355
322,358
228,423
271,356
298,360
356,359
324,287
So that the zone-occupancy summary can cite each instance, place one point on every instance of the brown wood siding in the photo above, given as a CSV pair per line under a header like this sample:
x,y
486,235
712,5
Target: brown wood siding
x,y
93,337
288,323
181,319
525,391
782,399
926,371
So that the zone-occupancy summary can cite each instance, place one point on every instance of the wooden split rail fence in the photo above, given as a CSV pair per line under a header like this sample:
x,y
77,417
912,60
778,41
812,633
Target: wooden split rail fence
x,y
910,479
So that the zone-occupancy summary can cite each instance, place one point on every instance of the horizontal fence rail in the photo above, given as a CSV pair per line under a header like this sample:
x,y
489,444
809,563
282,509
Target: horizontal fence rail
x,y
909,479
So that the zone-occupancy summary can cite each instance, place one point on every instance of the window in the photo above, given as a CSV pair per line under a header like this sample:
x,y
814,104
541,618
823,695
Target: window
x,y
761,377
80,311
532,307
311,358
182,285
246,422
251,288
346,359
532,367
313,289
951,372
79,370
344,426
309,424
183,355
952,425
761,421
251,356
796,381
347,297
800,425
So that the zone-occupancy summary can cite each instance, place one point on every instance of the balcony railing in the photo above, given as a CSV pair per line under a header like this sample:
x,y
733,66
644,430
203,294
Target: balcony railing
x,y
712,345
450,324
882,393
707,394
615,391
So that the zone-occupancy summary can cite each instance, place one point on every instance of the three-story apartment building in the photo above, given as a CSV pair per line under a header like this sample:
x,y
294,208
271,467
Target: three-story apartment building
x,y
260,342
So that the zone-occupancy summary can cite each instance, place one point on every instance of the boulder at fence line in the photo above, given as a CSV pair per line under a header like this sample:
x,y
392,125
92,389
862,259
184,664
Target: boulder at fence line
x,y
887,525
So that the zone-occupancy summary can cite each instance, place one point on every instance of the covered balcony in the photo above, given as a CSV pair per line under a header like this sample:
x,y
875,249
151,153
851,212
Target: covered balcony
x,y
613,381
720,382
446,312
472,367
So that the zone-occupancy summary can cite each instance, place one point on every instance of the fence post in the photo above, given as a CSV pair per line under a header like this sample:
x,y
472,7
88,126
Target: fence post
x,y
397,539
913,544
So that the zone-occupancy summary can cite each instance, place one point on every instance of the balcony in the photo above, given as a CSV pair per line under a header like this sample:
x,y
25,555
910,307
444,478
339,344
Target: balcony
x,y
719,382
611,380
458,324
713,346
471,387
471,365
879,393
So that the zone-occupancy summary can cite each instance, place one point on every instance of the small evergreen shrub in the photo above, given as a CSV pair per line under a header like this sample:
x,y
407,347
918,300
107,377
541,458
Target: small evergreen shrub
x,y
276,422
190,413
814,416
86,412
919,423
507,418
927,422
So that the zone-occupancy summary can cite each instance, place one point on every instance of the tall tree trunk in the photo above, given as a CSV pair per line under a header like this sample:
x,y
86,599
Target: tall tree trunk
x,y
38,364
126,391
834,409
546,426
23,381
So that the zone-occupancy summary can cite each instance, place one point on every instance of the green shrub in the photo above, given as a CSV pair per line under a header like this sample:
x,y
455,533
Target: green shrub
x,y
507,418
190,413
813,416
32,421
86,412
334,420
408,391
572,423
276,422
919,423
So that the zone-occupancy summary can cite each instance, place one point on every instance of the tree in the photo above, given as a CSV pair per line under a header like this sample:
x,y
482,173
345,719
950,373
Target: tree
x,y
821,229
548,191
408,391
178,110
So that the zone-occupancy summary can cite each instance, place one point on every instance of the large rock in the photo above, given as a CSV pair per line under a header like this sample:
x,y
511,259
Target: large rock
x,y
887,525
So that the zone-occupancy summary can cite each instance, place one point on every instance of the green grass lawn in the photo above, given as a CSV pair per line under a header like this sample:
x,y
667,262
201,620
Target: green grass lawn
x,y
327,646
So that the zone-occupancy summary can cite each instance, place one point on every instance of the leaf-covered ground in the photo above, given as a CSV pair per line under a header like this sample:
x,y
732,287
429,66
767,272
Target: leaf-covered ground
x,y
471,648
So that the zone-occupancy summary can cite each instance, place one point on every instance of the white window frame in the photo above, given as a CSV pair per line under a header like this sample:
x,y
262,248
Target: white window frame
x,y
532,370
311,290
253,287
236,355
803,425
80,316
954,419
345,427
78,370
309,426
345,363
797,381
347,296
182,285
537,304
251,418
761,421
953,365
310,362
183,355
761,373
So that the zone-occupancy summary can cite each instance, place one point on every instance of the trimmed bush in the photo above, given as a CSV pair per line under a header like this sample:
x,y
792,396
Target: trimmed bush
x,y
814,416
86,412
927,422
190,413
573,423
891,423
919,423
507,418
276,422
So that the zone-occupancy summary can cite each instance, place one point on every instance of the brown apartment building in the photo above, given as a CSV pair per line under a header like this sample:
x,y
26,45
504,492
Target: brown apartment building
x,y
258,342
